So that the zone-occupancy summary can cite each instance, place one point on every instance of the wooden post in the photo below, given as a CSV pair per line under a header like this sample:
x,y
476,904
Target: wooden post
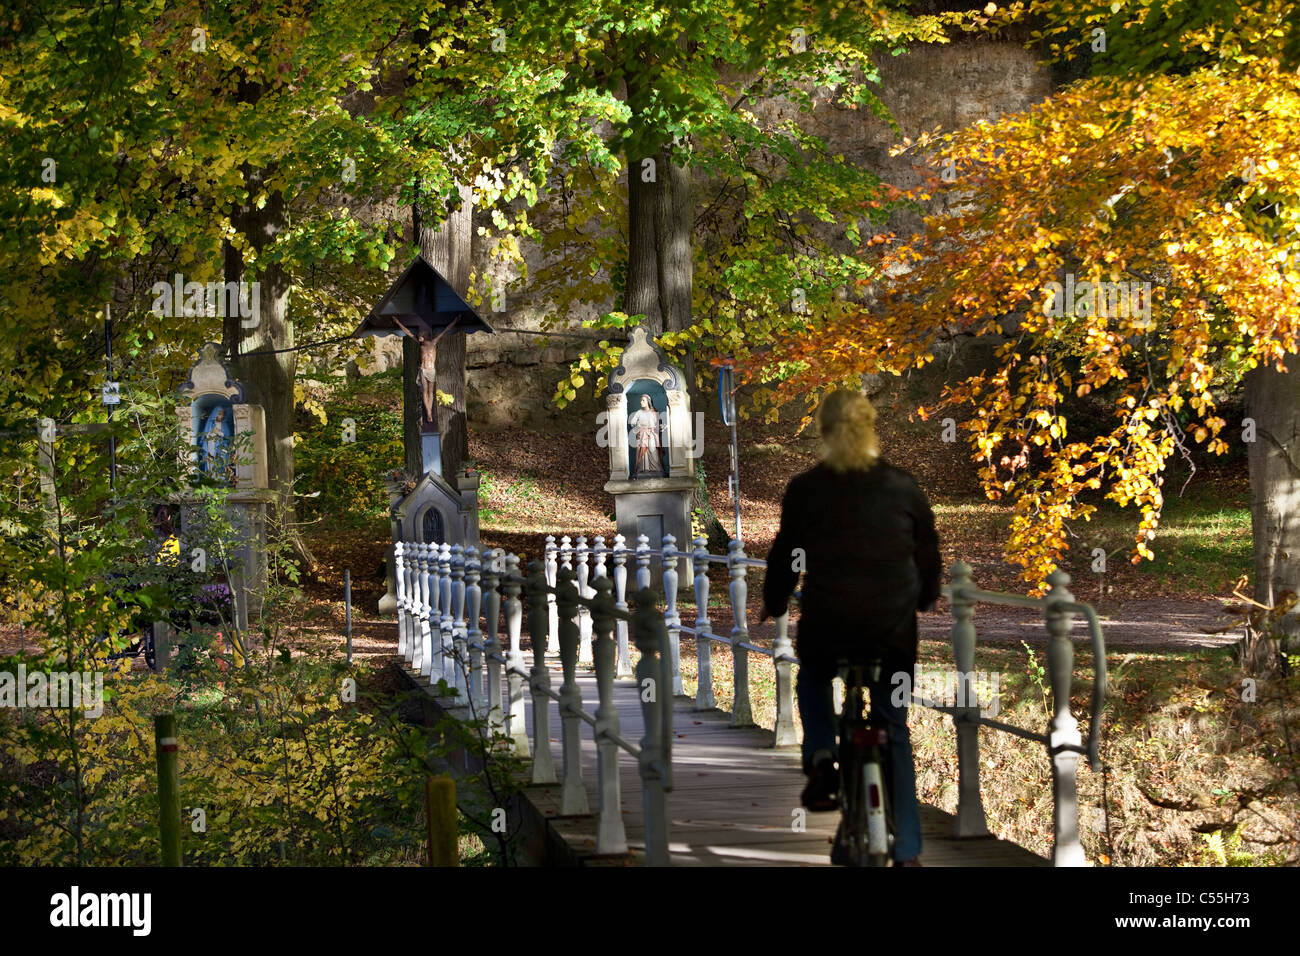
x,y
610,835
162,646
492,645
742,715
552,566
624,667
703,645
648,631
573,796
584,615
1063,730
783,663
169,789
440,821
970,820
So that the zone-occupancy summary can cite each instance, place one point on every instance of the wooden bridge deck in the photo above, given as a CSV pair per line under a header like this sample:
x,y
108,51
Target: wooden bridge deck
x,y
733,797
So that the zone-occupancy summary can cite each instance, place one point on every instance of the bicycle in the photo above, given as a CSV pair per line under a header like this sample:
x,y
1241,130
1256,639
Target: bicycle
x,y
866,831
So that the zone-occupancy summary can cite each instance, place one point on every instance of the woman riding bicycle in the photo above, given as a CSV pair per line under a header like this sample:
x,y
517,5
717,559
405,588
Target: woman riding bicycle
x,y
870,554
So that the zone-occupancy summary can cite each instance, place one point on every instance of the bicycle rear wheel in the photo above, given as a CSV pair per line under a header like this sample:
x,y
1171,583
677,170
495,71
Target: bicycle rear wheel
x,y
877,817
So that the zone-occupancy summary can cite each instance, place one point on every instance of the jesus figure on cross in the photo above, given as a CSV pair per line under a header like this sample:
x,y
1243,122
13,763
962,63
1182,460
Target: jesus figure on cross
x,y
426,376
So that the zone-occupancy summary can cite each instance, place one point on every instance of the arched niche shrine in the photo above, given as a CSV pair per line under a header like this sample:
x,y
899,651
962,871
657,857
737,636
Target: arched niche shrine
x,y
649,431
223,438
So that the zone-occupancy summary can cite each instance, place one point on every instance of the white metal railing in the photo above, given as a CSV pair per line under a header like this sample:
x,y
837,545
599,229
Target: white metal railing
x,y
579,610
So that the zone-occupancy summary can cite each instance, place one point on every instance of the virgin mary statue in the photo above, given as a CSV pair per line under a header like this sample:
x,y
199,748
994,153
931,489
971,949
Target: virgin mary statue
x,y
218,434
644,424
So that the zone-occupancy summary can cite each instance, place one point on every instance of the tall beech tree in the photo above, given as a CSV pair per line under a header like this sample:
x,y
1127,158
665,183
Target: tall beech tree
x,y
675,199
1181,176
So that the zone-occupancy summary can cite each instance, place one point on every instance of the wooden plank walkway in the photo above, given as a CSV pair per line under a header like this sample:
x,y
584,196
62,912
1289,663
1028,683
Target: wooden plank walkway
x,y
733,797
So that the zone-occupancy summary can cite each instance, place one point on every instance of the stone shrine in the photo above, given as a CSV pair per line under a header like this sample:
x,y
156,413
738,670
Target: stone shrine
x,y
652,447
223,438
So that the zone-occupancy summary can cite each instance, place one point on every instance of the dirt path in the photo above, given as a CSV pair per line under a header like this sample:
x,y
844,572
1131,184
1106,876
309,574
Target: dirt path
x,y
1149,624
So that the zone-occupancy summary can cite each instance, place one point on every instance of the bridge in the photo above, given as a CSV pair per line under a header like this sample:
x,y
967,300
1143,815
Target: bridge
x,y
624,773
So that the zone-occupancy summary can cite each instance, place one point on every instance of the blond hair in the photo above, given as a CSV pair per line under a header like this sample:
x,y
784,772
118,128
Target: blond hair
x,y
848,428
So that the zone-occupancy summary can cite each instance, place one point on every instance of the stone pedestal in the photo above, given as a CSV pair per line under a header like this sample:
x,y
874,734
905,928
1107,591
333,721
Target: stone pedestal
x,y
653,507
248,569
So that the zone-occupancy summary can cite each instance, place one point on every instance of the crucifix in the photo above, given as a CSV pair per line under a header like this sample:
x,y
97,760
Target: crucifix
x,y
426,376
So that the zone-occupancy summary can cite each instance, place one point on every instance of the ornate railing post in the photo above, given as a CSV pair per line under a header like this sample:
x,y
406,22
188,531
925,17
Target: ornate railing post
x,y
443,623
491,643
399,572
624,666
970,820
703,645
610,835
584,615
409,606
648,631
458,655
642,561
474,636
515,725
552,565
423,609
566,555
573,796
672,618
742,714
540,682
599,552
1063,731
783,663
598,570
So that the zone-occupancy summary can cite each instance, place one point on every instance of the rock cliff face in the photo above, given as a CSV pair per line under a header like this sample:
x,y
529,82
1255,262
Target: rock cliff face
x,y
512,377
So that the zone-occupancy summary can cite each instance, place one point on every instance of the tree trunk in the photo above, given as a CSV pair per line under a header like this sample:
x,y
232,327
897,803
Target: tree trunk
x,y
448,248
267,374
1273,402
641,297
673,225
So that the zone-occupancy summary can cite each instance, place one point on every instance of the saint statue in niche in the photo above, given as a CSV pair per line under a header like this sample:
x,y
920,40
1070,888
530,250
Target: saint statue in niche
x,y
217,438
426,376
644,425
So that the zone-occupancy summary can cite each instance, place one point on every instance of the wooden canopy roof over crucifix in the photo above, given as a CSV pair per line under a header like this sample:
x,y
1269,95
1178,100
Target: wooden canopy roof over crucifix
x,y
421,300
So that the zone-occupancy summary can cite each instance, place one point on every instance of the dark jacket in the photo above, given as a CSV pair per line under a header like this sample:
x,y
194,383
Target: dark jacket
x,y
870,557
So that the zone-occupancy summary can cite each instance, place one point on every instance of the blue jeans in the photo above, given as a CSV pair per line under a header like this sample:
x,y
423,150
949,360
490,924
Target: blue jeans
x,y
817,713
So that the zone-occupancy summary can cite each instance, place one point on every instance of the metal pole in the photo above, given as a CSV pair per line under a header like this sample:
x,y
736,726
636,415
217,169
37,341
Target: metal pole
x,y
108,367
347,607
169,789
735,475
